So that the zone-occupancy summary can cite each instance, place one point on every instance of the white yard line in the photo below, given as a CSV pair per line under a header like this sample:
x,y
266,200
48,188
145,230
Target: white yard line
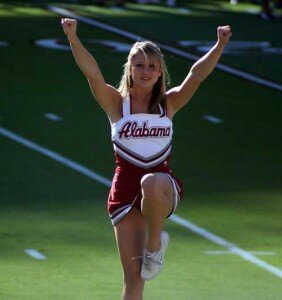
x,y
4,44
192,227
55,156
220,252
53,117
35,254
263,252
168,48
231,247
184,10
212,119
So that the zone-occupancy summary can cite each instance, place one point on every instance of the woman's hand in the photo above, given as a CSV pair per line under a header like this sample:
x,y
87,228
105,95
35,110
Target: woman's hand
x,y
223,34
69,27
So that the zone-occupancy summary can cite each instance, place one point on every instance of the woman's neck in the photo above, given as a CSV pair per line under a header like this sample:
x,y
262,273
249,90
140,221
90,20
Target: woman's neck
x,y
141,95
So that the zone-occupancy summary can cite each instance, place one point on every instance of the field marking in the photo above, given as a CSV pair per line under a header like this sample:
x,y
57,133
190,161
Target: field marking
x,y
263,252
231,247
134,37
253,11
35,254
55,156
185,10
220,252
116,9
212,119
97,177
4,44
52,117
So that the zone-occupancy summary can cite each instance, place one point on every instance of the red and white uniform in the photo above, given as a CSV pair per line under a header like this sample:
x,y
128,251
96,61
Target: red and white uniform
x,y
142,144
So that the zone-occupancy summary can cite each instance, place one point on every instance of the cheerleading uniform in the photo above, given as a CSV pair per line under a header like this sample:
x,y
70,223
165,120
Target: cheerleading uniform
x,y
142,145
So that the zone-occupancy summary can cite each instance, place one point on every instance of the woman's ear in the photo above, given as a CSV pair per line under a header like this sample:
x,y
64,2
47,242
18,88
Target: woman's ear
x,y
160,71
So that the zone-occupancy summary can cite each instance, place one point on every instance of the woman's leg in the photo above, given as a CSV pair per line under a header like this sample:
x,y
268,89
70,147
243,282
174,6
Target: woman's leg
x,y
157,203
130,235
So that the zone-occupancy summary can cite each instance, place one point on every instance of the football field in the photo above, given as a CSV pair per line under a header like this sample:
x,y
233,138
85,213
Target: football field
x,y
56,157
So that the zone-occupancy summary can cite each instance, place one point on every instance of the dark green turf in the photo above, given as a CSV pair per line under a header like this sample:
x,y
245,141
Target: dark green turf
x,y
231,171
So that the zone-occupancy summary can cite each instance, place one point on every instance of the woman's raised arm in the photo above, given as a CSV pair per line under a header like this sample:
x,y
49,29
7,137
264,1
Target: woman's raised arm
x,y
105,94
177,97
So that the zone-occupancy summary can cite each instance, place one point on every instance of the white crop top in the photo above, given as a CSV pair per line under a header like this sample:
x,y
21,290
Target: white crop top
x,y
142,139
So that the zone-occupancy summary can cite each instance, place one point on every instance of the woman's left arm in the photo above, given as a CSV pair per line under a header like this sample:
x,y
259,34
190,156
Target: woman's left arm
x,y
178,96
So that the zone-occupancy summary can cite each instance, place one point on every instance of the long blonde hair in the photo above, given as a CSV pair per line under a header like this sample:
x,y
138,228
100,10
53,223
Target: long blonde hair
x,y
148,48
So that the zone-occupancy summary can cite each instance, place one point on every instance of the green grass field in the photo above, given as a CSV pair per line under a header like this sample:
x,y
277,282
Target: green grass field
x,y
231,170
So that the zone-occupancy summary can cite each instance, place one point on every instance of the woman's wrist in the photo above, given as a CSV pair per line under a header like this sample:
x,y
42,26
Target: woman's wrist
x,y
73,39
220,45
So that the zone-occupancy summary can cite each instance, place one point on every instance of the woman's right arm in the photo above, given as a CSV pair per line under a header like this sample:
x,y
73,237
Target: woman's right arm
x,y
105,94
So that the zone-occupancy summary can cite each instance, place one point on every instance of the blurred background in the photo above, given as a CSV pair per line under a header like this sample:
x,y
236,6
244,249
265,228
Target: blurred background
x,y
56,156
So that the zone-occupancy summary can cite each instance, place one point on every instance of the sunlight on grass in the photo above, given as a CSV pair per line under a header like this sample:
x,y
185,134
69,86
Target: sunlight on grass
x,y
22,11
134,10
225,6
168,10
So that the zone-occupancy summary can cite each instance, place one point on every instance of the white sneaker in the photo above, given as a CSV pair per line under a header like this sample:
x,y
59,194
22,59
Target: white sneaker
x,y
153,263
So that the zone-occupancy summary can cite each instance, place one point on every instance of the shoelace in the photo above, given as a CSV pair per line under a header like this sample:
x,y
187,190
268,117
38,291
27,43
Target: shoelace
x,y
147,258
136,257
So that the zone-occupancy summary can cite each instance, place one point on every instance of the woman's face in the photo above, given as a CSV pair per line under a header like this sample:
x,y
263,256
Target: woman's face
x,y
145,73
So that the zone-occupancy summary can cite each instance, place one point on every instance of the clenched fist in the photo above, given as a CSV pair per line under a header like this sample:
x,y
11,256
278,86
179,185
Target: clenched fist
x,y
69,27
223,34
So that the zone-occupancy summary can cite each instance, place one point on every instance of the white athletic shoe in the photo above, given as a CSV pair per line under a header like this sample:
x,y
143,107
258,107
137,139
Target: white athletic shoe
x,y
153,263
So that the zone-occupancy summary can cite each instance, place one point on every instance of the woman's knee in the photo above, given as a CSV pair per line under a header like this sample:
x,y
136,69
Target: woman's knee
x,y
150,185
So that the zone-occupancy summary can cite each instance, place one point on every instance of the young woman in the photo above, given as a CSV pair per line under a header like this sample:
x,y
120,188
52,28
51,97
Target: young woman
x,y
144,190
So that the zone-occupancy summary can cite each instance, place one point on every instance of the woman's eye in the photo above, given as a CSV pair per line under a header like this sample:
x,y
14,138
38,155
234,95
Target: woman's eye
x,y
152,67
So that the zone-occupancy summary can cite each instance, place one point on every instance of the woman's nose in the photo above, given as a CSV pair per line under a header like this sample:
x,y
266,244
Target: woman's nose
x,y
147,70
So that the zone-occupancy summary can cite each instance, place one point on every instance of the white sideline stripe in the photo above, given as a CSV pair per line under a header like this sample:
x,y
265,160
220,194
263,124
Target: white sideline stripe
x,y
230,246
168,48
194,228
55,156
219,252
35,254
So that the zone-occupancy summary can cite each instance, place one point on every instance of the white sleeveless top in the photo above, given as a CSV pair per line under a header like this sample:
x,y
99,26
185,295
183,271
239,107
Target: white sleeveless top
x,y
142,139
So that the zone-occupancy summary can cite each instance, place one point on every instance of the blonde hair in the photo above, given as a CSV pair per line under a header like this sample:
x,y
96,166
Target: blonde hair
x,y
152,50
